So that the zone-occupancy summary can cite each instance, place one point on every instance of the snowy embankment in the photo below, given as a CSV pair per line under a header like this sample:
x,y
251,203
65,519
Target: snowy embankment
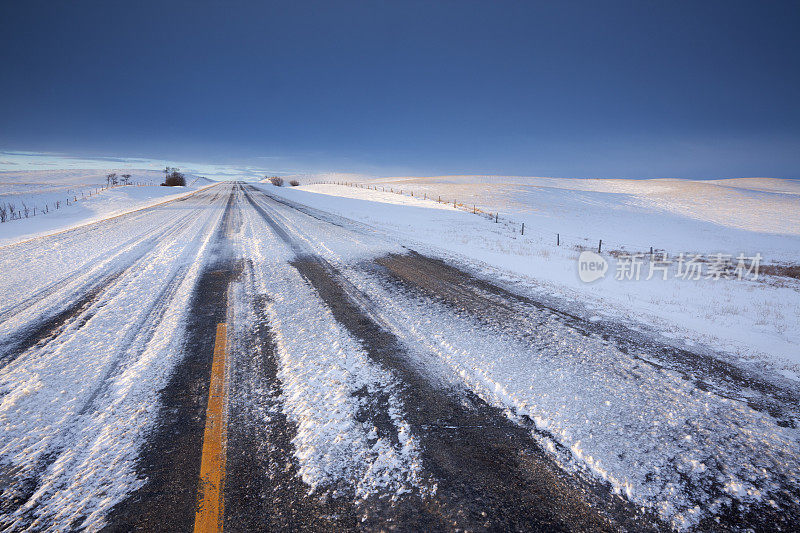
x,y
753,319
80,198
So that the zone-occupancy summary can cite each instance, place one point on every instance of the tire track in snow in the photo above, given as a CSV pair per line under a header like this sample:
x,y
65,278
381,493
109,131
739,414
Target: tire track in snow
x,y
698,459
29,318
352,440
138,349
488,470
168,463
137,338
263,490
61,238
480,306
26,336
111,257
501,309
151,316
42,250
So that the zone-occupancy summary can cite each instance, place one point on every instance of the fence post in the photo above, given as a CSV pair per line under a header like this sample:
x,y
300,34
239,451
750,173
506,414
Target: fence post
x,y
454,203
523,228
600,246
496,217
440,199
558,239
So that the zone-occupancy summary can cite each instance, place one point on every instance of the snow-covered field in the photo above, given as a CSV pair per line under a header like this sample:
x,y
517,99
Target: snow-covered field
x,y
755,319
80,198
93,325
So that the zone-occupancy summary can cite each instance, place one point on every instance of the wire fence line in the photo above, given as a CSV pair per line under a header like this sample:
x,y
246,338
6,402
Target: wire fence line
x,y
12,211
523,229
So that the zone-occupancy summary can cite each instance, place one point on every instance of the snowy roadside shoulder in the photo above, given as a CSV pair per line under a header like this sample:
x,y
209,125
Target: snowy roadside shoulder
x,y
111,203
755,320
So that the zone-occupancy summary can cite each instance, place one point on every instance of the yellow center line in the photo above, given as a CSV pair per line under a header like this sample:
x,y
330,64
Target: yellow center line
x,y
210,501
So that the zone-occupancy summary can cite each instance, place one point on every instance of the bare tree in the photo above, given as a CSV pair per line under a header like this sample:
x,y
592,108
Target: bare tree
x,y
3,213
111,179
294,183
174,178
126,179
276,181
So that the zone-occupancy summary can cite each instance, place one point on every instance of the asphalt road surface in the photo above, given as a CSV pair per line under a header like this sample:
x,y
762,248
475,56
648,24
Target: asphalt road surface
x,y
235,360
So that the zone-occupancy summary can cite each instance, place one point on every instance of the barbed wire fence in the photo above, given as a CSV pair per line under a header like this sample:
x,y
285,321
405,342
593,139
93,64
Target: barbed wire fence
x,y
622,251
21,210
521,228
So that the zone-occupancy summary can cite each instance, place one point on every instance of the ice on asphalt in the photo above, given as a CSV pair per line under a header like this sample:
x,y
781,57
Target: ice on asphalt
x,y
76,410
324,373
655,437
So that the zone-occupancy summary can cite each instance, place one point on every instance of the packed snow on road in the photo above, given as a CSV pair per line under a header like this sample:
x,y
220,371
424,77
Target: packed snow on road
x,y
416,361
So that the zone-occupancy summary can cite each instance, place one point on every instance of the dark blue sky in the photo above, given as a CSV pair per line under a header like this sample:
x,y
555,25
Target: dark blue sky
x,y
639,89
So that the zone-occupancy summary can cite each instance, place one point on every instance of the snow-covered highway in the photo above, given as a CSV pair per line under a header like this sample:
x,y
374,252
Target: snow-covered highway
x,y
367,386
